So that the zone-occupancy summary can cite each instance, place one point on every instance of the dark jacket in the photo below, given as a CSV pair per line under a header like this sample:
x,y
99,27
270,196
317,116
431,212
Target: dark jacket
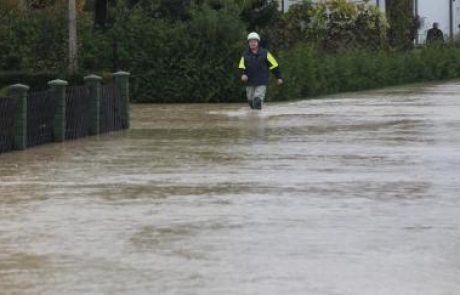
x,y
434,36
257,66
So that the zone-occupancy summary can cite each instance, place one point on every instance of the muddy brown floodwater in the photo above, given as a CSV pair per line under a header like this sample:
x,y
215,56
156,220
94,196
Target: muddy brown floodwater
x,y
349,194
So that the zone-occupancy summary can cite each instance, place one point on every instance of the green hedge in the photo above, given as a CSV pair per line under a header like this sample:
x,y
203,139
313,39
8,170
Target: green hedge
x,y
181,62
39,80
33,39
309,73
194,59
36,81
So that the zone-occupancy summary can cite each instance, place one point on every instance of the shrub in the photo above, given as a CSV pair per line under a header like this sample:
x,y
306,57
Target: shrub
x,y
35,80
180,62
334,26
310,73
403,24
189,52
36,38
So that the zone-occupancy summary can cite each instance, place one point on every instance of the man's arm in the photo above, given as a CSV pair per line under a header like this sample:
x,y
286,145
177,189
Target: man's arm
x,y
274,66
242,67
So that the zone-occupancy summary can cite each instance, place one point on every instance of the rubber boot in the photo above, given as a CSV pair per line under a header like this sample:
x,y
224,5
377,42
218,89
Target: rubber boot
x,y
257,103
251,103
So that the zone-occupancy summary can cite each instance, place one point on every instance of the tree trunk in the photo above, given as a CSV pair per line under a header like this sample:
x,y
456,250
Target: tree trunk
x,y
73,45
403,23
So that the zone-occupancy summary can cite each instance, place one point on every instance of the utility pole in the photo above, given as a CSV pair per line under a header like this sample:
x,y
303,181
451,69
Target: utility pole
x,y
73,45
451,21
417,36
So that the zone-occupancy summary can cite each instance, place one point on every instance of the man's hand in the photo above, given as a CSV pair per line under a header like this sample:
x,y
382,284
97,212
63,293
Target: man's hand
x,y
279,81
244,78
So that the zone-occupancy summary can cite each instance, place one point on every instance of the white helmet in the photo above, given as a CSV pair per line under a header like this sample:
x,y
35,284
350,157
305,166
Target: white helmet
x,y
253,36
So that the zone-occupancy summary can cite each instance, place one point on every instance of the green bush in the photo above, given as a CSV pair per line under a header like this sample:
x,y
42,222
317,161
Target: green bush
x,y
35,80
191,61
403,24
309,73
333,26
189,53
36,39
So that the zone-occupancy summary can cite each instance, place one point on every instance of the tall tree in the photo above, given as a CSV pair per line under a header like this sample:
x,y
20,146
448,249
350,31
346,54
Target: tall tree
x,y
73,46
403,23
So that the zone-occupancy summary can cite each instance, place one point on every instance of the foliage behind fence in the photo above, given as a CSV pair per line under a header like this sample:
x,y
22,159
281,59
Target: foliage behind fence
x,y
110,109
40,112
7,123
310,73
77,112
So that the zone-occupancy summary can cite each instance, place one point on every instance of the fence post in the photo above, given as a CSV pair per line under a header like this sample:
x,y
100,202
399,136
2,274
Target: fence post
x,y
93,82
19,93
122,83
58,94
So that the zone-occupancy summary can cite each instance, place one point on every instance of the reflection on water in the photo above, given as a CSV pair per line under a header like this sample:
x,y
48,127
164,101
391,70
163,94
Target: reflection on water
x,y
351,194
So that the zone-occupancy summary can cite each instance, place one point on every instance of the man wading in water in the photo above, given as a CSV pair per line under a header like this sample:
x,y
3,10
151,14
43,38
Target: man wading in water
x,y
256,64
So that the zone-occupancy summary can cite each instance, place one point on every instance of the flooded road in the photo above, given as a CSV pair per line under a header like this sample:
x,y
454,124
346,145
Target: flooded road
x,y
350,194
